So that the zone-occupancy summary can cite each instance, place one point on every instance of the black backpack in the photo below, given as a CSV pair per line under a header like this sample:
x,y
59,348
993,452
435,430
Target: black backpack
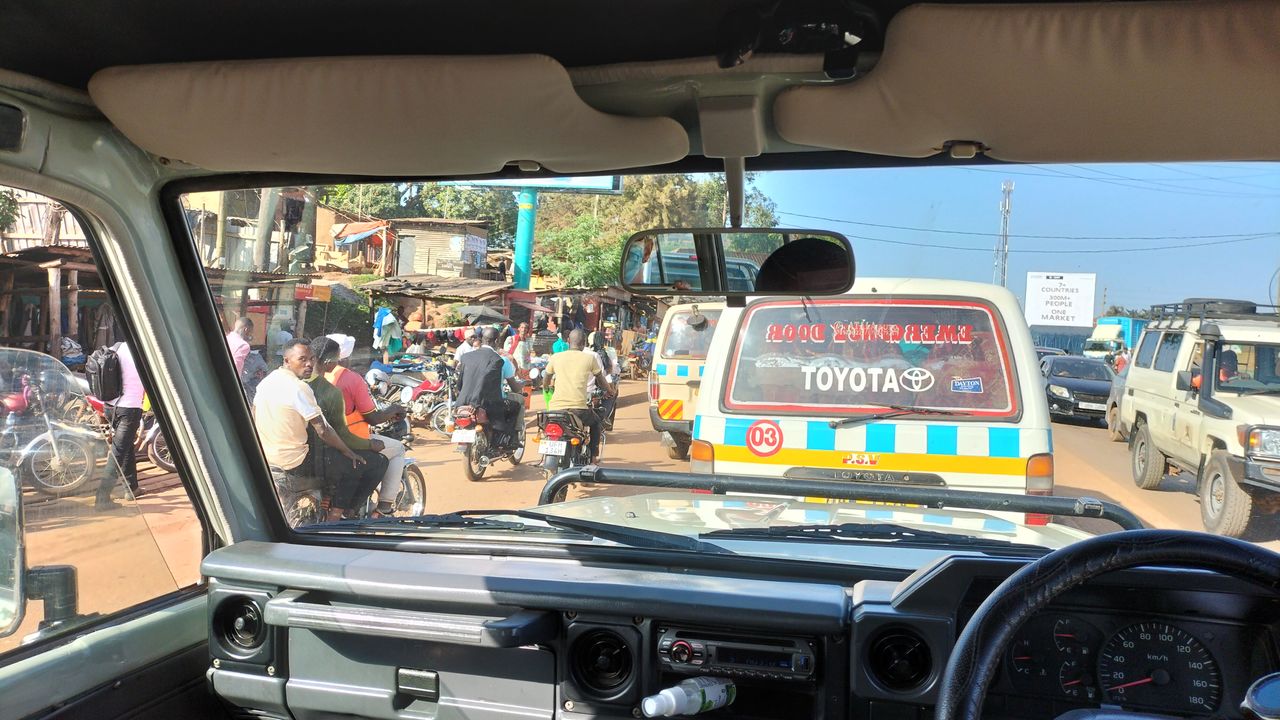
x,y
102,369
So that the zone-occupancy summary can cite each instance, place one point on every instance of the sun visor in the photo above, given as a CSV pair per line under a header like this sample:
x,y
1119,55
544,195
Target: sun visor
x,y
1095,82
403,115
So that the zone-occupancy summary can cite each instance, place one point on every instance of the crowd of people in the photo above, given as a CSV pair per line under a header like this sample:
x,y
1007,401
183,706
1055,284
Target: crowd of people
x,y
314,414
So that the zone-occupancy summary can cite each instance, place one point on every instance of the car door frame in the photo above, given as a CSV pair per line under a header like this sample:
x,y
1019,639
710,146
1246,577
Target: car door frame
x,y
1187,416
69,153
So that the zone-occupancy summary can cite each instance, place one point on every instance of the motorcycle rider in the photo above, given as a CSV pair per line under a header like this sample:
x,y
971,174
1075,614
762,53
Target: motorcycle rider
x,y
569,371
612,369
352,486
362,412
482,374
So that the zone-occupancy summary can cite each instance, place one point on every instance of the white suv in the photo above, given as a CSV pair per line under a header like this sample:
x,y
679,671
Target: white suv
x,y
1203,396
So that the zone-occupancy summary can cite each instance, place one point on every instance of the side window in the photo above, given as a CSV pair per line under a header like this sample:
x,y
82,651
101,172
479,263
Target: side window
x,y
1167,355
1147,350
103,509
1197,356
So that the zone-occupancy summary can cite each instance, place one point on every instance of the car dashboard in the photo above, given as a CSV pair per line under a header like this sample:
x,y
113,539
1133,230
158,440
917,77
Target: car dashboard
x,y
319,632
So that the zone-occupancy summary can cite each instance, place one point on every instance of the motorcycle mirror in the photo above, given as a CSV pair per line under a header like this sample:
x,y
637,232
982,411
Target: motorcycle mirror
x,y
13,596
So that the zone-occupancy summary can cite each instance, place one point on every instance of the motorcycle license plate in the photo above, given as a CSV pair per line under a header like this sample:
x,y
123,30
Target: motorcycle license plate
x,y
464,436
551,447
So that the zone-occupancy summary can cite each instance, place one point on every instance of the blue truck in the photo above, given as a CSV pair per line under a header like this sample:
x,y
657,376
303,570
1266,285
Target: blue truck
x,y
1113,333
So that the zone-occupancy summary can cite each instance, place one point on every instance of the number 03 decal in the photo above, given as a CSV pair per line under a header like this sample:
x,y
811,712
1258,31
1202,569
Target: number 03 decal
x,y
764,438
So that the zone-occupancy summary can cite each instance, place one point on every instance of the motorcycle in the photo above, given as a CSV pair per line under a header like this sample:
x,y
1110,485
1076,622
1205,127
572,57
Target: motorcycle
x,y
430,401
54,456
563,442
481,444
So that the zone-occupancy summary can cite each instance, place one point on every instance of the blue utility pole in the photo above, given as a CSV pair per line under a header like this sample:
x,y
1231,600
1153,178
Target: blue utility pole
x,y
527,202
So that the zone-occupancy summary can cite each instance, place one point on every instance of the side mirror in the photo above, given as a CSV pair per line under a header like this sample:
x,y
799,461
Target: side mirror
x,y
737,262
1183,383
13,597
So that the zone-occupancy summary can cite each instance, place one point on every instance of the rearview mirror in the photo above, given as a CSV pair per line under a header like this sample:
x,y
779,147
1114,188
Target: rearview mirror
x,y
1183,383
735,262
12,561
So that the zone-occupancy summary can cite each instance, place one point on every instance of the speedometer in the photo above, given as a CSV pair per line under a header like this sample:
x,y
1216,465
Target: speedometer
x,y
1157,665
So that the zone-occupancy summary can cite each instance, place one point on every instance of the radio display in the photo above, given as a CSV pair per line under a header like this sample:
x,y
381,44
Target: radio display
x,y
753,658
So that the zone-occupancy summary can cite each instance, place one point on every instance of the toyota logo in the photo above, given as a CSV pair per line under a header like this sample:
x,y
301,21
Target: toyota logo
x,y
916,379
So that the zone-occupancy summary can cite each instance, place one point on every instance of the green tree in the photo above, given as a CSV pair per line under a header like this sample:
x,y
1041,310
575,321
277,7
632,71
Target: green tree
x,y
583,254
383,201
8,209
495,205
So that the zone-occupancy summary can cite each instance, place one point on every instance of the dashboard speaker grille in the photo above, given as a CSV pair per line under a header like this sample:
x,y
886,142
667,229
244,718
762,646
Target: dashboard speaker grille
x,y
602,663
239,624
900,660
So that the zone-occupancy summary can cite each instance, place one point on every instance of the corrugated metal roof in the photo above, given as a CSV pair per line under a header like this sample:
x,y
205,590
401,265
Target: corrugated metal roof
x,y
435,286
438,221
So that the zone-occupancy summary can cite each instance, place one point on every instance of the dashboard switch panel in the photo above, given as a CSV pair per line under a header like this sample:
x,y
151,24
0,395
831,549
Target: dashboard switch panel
x,y
696,652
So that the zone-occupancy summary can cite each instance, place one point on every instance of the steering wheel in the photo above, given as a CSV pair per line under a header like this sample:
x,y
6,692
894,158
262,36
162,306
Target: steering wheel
x,y
985,639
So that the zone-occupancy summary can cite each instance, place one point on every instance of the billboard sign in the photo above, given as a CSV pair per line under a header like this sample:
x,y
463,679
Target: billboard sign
x,y
597,185
1060,299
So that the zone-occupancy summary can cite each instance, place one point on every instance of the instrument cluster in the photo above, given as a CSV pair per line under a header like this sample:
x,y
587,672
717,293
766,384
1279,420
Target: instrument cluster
x,y
1151,664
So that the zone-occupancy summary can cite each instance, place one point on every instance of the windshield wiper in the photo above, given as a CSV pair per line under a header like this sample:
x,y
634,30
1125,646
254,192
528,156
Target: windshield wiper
x,y
634,537
898,411
898,534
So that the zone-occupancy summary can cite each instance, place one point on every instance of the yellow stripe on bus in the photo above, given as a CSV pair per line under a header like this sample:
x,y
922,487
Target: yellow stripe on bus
x,y
893,462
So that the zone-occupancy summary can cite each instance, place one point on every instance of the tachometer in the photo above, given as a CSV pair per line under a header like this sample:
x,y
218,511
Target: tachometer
x,y
1157,665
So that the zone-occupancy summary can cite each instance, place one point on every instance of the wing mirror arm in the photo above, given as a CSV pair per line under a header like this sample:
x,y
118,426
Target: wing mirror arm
x,y
55,585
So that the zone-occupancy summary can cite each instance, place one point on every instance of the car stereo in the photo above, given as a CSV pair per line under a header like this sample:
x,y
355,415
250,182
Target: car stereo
x,y
700,652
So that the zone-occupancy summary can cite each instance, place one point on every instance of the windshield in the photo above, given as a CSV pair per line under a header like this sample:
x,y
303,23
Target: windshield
x,y
1079,369
926,374
689,341
1248,368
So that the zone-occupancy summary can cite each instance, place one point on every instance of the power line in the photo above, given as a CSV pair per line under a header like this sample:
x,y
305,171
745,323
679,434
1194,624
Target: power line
x,y
1060,176
1031,237
1074,251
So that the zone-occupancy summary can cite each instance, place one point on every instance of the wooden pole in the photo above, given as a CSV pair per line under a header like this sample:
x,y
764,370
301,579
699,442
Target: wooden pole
x,y
220,235
6,302
300,330
73,304
55,311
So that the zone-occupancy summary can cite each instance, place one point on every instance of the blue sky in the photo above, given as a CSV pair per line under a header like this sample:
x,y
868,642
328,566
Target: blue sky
x,y
1171,201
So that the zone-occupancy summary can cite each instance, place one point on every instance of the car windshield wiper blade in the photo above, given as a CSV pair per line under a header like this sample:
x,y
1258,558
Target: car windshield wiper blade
x,y
898,411
866,531
487,519
460,519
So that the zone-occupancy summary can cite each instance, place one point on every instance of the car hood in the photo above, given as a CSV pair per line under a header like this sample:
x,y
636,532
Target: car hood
x,y
1095,387
1252,410
692,514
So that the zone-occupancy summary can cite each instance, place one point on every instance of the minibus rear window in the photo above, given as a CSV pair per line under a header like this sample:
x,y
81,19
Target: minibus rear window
x,y
686,342
851,356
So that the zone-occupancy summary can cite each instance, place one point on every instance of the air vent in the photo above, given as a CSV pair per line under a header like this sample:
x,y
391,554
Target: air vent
x,y
602,663
900,660
239,625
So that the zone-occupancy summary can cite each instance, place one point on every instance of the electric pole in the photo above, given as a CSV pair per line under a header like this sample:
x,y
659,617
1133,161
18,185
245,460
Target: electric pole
x,y
1000,275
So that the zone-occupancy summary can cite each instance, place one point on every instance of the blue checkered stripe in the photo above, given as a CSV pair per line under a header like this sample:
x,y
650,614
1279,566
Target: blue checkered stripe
x,y
662,370
970,439
844,512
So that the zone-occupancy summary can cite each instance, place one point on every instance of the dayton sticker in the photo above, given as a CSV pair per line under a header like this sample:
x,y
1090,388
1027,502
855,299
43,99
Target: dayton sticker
x,y
966,385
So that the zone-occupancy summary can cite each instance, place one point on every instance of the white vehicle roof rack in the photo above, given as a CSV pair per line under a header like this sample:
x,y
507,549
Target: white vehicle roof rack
x,y
1179,315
